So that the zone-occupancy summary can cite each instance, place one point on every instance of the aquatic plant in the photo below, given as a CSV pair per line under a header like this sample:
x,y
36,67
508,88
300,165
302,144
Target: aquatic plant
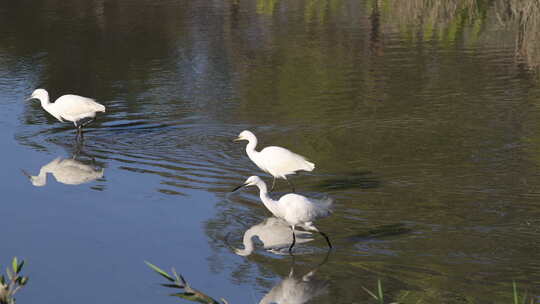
x,y
178,282
520,299
12,282
379,297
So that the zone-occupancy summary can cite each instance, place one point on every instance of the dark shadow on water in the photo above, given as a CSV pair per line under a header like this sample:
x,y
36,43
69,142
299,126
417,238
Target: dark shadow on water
x,y
352,180
380,232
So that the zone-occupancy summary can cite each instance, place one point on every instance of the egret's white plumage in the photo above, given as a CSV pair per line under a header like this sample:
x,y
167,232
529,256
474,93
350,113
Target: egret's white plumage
x,y
277,161
295,209
66,171
77,109
274,233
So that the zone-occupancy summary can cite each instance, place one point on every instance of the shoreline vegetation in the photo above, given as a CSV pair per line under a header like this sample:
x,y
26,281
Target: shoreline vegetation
x,y
12,282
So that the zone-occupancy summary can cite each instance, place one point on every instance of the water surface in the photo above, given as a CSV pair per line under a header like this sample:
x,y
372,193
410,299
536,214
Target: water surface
x,y
421,119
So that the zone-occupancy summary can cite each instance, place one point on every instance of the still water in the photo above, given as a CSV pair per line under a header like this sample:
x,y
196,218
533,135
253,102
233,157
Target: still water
x,y
422,119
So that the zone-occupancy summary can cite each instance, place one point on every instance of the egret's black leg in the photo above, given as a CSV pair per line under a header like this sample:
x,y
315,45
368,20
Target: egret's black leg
x,y
327,239
290,184
293,240
273,184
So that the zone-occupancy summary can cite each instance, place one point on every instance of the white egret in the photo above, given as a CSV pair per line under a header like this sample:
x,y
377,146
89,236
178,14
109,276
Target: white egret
x,y
66,171
277,161
77,109
295,209
274,233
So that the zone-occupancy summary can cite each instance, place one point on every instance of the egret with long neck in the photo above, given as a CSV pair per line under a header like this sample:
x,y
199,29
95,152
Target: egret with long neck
x,y
295,209
277,161
77,109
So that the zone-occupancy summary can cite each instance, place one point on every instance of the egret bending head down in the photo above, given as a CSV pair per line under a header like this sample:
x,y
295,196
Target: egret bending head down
x,y
77,109
295,209
277,161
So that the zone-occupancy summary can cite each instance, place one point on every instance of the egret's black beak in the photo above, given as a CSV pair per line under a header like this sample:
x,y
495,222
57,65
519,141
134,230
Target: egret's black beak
x,y
26,174
29,98
238,187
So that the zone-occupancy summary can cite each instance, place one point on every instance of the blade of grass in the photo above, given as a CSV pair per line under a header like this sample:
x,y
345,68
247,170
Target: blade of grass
x,y
160,271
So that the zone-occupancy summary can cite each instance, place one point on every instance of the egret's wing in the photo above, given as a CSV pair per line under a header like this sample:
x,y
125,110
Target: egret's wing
x,y
304,209
75,106
281,161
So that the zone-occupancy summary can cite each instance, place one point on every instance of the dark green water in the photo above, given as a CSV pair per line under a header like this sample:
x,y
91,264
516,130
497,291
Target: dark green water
x,y
422,119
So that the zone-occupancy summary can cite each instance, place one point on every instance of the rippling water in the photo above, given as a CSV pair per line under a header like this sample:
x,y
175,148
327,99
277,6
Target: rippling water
x,y
425,134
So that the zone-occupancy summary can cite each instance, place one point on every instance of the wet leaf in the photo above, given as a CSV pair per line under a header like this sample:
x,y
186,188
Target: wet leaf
x,y
19,267
24,280
160,271
172,286
15,264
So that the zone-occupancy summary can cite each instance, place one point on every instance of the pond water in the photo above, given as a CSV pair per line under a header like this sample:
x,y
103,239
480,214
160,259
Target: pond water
x,y
422,119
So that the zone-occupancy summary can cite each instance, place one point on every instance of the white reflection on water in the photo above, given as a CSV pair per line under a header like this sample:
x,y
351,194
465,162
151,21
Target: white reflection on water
x,y
297,289
275,234
67,171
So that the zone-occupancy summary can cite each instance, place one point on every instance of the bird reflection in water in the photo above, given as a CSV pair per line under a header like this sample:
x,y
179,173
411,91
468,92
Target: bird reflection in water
x,y
275,235
297,289
69,171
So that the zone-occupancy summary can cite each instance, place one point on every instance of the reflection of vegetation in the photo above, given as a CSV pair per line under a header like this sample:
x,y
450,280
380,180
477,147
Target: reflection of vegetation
x,y
525,16
266,7
178,282
318,10
14,282
452,21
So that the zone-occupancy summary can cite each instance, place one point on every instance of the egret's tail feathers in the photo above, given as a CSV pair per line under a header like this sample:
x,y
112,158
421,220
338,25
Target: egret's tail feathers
x,y
310,166
328,202
100,108
325,205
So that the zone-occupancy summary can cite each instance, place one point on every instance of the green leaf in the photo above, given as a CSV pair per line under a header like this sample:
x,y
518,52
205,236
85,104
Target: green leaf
x,y
24,280
14,264
172,286
19,267
160,271
2,279
516,298
369,292
9,274
379,286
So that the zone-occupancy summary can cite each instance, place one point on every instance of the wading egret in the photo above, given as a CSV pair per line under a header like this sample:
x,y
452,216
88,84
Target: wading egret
x,y
295,209
277,161
274,233
66,171
77,109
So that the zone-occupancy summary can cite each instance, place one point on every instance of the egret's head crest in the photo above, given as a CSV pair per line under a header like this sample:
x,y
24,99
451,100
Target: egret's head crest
x,y
252,180
39,94
245,135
